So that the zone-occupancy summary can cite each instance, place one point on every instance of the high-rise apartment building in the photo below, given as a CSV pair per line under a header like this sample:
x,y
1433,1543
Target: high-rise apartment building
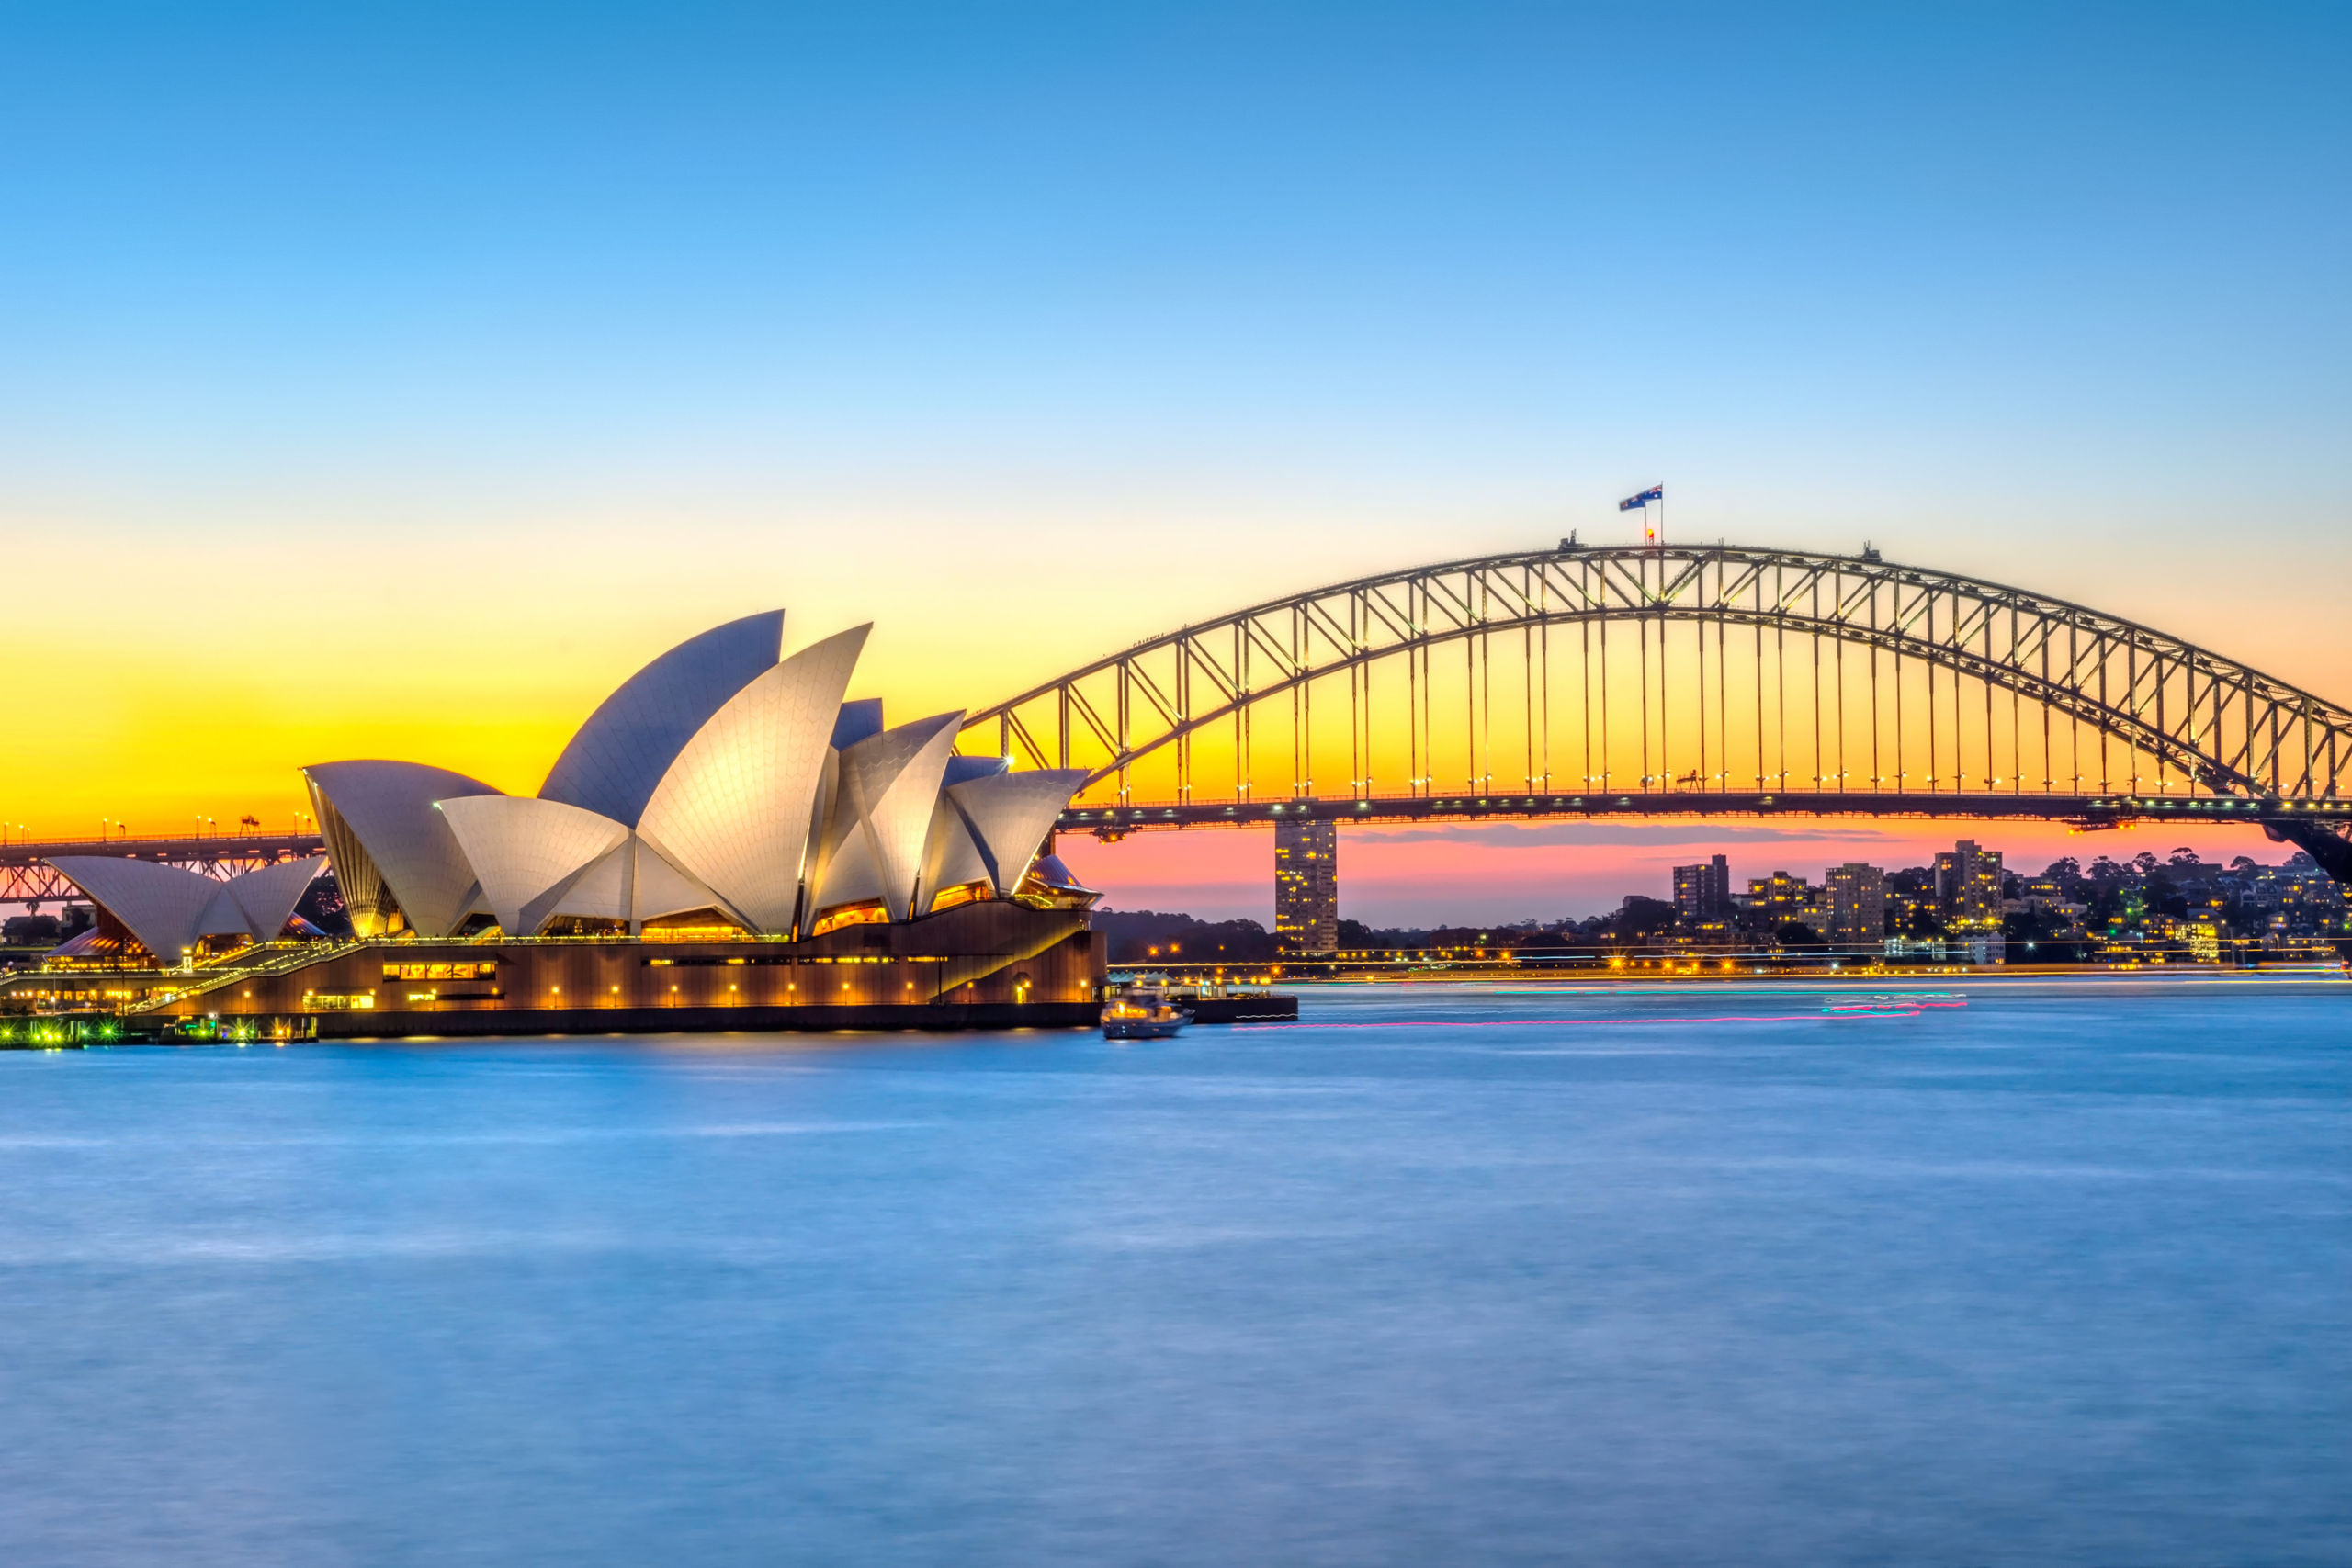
x,y
1780,891
1968,886
1968,889
1306,886
1702,893
1855,894
1782,899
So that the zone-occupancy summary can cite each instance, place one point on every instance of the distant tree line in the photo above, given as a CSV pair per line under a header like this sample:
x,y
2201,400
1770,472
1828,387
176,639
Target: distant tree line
x,y
1144,936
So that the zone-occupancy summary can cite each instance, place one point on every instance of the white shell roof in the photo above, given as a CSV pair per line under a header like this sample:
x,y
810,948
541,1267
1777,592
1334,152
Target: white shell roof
x,y
615,762
521,849
599,890
1049,870
963,770
268,895
716,776
1007,816
859,721
659,888
631,883
734,809
950,857
166,908
850,875
889,786
824,830
389,807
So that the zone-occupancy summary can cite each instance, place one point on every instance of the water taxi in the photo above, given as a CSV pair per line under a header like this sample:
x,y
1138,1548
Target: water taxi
x,y
1142,1012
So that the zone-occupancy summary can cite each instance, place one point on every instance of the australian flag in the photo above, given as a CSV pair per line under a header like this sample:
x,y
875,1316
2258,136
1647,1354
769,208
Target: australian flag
x,y
1656,493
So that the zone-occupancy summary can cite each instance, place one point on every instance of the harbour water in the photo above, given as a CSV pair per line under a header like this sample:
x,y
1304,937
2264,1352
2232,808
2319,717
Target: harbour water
x,y
1944,1272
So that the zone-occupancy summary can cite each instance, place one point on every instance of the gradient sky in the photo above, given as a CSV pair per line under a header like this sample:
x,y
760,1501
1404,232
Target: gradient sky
x,y
395,383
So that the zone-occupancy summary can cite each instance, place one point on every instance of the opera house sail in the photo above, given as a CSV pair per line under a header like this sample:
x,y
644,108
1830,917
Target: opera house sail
x,y
726,832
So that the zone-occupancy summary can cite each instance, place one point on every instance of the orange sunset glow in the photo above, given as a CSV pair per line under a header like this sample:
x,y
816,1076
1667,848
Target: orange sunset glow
x,y
483,655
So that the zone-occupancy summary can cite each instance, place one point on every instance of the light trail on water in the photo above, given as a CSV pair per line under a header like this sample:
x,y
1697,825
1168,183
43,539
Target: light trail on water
x,y
1888,1007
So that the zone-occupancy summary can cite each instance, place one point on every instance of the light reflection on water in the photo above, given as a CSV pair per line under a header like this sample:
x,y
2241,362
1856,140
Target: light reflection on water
x,y
1642,1275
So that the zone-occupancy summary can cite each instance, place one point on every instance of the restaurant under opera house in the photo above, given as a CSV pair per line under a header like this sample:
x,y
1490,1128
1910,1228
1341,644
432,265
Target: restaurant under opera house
x,y
724,834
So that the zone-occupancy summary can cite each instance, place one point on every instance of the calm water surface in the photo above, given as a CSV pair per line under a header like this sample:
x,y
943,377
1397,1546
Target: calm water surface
x,y
1443,1275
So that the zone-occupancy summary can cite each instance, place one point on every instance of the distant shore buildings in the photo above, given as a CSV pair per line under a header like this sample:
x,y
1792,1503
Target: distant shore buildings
x,y
1966,906
1855,909
2099,911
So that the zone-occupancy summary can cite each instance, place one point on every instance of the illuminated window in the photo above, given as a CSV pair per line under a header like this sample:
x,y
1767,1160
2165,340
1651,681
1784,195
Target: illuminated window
x,y
337,1001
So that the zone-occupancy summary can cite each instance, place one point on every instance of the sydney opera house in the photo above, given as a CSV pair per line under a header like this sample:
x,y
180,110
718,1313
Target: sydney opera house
x,y
726,841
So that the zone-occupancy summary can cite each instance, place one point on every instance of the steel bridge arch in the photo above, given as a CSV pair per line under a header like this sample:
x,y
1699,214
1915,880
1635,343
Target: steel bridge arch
x,y
2224,727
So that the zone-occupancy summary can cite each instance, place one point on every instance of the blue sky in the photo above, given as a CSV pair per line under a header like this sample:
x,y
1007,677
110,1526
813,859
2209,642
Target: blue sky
x,y
526,317
1841,250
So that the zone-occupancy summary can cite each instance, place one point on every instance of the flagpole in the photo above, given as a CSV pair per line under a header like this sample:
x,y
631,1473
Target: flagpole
x,y
1653,536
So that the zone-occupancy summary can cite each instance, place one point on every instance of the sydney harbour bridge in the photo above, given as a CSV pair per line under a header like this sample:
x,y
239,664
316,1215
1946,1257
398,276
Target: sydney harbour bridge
x,y
1681,681
1599,682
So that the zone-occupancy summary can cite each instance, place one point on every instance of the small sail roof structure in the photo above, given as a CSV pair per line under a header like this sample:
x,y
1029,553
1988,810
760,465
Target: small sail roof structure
x,y
268,894
882,811
1007,816
171,909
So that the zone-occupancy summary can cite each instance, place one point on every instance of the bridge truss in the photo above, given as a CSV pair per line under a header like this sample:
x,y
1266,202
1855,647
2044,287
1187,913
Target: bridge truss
x,y
1684,679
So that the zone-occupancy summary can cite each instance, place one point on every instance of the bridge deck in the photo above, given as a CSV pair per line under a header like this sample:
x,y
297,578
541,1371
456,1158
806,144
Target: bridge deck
x,y
2086,810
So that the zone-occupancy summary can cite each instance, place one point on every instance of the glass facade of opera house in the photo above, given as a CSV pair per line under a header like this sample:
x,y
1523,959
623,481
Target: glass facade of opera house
x,y
725,833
